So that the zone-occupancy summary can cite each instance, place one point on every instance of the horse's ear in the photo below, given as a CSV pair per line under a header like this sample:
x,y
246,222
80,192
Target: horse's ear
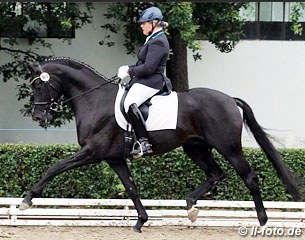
x,y
33,68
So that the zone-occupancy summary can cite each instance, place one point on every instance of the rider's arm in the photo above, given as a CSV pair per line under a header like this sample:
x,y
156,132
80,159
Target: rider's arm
x,y
155,53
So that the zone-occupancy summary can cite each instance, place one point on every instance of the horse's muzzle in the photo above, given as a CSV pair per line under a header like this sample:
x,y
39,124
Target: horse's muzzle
x,y
42,116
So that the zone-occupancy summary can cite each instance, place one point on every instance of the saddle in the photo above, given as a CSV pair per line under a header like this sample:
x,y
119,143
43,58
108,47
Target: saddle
x,y
144,107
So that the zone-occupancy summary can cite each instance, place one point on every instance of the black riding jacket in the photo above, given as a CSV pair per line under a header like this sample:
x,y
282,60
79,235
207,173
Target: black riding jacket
x,y
152,57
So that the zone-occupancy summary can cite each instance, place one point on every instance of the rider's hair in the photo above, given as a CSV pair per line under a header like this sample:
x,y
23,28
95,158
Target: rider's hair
x,y
159,23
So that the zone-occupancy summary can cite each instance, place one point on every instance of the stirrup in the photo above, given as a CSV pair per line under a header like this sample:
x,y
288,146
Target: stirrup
x,y
138,152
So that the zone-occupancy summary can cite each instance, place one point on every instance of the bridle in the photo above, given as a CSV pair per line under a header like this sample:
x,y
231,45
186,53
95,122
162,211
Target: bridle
x,y
45,77
51,104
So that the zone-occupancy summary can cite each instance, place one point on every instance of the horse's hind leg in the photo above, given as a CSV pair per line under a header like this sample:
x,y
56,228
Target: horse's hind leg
x,y
242,167
202,156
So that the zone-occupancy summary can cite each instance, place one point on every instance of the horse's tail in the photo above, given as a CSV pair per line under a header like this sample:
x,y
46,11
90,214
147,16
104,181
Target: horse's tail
x,y
274,157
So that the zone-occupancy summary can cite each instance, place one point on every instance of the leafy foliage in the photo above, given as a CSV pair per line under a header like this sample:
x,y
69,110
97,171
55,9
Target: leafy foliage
x,y
124,16
210,16
168,176
295,15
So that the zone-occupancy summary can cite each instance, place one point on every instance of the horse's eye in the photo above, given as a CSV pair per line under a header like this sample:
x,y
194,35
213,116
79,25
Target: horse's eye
x,y
37,86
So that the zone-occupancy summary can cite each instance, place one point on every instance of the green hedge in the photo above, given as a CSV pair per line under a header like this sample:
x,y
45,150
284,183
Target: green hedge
x,y
168,176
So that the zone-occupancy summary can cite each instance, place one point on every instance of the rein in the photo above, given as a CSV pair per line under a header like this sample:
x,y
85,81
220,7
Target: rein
x,y
110,80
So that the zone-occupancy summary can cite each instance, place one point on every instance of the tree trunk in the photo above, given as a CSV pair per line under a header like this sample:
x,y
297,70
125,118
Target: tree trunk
x,y
176,68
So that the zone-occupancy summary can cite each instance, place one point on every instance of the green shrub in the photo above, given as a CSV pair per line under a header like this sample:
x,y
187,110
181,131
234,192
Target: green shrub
x,y
168,176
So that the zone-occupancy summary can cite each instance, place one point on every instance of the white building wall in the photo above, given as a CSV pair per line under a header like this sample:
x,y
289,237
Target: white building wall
x,y
269,75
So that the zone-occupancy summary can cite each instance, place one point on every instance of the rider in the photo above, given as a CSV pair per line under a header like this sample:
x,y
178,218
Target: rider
x,y
147,75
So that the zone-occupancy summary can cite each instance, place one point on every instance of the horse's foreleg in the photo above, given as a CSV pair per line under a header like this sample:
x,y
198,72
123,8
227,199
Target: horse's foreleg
x,y
122,170
201,155
81,158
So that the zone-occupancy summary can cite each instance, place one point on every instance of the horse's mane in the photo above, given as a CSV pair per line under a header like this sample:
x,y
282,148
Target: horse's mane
x,y
74,63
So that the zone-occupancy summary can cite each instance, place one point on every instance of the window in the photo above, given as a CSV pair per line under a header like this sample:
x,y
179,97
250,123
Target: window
x,y
270,21
19,23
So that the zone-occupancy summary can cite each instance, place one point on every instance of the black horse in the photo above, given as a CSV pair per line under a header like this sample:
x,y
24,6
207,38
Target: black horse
x,y
207,119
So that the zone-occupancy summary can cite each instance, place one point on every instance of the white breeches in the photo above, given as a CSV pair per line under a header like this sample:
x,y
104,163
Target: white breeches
x,y
138,94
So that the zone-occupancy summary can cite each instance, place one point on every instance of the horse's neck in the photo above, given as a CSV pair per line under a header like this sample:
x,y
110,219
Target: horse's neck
x,y
88,91
78,81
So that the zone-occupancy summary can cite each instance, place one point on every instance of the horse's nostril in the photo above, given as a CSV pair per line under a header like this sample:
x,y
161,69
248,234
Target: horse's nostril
x,y
35,118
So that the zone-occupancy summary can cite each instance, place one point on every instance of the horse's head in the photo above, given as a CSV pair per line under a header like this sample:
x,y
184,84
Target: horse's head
x,y
46,91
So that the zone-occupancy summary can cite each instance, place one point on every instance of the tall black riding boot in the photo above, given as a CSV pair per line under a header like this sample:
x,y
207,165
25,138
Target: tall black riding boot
x,y
136,119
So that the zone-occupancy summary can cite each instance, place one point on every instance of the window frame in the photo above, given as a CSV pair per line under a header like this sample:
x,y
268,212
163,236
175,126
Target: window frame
x,y
271,30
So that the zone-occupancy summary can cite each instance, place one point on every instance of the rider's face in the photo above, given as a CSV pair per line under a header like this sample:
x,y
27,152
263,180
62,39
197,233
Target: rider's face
x,y
146,27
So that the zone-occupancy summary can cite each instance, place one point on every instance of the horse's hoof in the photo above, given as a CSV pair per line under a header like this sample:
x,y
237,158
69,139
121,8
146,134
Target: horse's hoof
x,y
138,230
262,218
24,206
192,214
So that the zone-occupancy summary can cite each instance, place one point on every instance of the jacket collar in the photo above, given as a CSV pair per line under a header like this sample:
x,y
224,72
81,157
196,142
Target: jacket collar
x,y
154,35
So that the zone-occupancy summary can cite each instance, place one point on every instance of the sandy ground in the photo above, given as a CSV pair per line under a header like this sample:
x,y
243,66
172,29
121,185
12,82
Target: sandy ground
x,y
123,233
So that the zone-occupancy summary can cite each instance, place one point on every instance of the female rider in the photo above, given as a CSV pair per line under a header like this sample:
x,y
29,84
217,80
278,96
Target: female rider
x,y
147,75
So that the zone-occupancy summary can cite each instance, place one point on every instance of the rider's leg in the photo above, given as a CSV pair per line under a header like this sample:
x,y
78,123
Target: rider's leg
x,y
137,95
138,123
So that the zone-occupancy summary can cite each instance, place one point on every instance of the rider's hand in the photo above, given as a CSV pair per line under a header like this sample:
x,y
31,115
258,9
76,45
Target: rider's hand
x,y
123,72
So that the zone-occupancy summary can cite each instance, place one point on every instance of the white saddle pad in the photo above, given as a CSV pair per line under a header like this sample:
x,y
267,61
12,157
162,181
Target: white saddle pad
x,y
162,113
